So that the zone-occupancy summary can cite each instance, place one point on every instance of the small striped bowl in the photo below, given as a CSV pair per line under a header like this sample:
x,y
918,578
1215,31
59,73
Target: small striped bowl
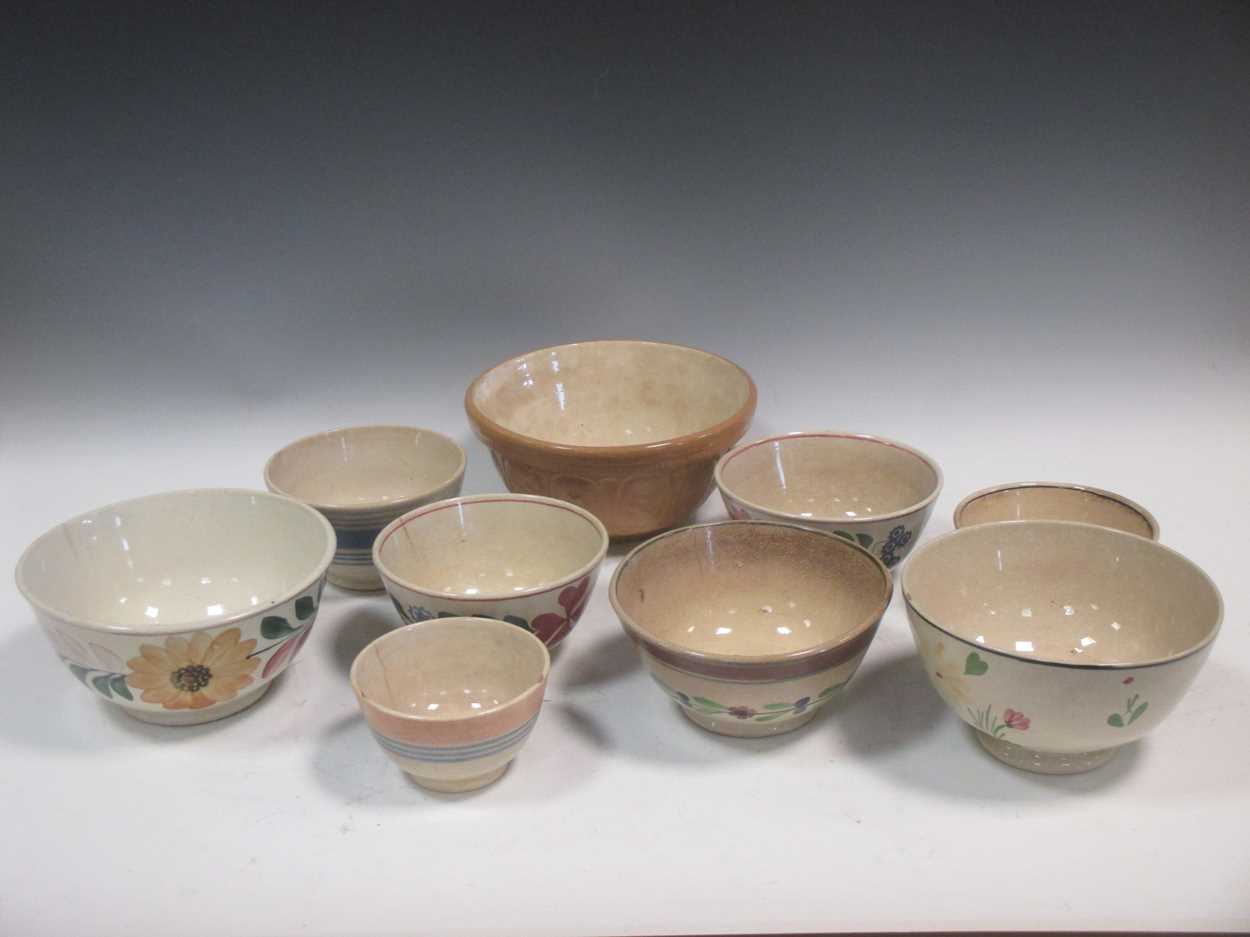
x,y
363,478
452,700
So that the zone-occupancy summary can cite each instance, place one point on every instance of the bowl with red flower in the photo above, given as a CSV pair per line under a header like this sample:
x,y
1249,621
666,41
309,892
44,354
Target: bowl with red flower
x,y
750,627
528,560
1058,642
182,607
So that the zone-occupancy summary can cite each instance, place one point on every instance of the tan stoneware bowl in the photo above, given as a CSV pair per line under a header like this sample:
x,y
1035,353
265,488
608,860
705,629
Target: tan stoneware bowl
x,y
180,608
1055,501
452,701
527,560
629,430
363,478
748,626
1058,642
871,491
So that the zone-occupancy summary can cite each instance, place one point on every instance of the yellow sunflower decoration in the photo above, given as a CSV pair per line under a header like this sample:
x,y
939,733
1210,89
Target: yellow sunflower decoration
x,y
192,674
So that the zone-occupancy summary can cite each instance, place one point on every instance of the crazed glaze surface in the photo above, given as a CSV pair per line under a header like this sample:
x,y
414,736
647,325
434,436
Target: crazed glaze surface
x,y
452,701
361,479
865,489
1055,501
629,430
528,560
180,607
750,626
1058,641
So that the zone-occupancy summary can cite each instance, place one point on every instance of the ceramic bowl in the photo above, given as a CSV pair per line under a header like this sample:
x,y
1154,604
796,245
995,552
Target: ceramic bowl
x,y
1058,642
527,560
871,491
452,701
1055,501
629,430
182,607
363,478
749,626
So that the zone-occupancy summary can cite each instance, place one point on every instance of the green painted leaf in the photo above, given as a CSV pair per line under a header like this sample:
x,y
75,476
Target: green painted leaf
x,y
704,701
865,540
101,684
1115,720
844,535
304,607
777,706
974,666
827,691
1137,712
273,626
79,672
769,718
118,683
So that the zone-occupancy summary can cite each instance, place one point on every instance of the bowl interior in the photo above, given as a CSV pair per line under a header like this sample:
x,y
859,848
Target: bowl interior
x,y
828,476
365,466
1054,503
496,546
748,590
612,393
1056,591
173,559
449,668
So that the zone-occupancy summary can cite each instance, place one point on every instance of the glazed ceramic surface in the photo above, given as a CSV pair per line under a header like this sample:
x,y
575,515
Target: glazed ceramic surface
x,y
1055,501
865,489
630,430
524,559
750,627
363,478
180,607
452,701
1058,642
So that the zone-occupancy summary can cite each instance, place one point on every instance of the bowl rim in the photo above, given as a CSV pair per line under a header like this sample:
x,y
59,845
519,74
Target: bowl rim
x,y
180,627
364,507
929,499
457,623
734,424
541,501
1067,665
1074,486
636,632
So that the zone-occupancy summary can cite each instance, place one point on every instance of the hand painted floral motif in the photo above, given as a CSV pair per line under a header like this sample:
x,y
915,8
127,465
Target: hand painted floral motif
x,y
863,540
195,673
550,627
1132,711
107,683
417,613
951,673
989,723
292,637
899,537
766,713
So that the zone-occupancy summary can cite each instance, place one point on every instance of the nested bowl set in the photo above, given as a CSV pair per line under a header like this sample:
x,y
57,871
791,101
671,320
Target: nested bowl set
x,y
1051,619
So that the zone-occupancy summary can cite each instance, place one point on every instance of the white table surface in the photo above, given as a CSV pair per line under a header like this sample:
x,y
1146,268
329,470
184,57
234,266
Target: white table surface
x,y
1017,243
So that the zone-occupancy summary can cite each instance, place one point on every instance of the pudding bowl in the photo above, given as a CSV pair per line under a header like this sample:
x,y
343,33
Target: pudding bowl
x,y
180,608
629,430
865,489
526,560
452,701
1058,642
750,627
363,478
1055,501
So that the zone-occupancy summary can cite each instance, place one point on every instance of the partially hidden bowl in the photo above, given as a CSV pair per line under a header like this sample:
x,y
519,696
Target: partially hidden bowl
x,y
866,489
361,479
1058,642
452,701
180,608
526,560
1055,501
750,626
629,430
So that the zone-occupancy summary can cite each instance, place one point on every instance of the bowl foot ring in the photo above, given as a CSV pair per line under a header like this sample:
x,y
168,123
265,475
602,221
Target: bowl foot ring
x,y
461,785
1028,759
